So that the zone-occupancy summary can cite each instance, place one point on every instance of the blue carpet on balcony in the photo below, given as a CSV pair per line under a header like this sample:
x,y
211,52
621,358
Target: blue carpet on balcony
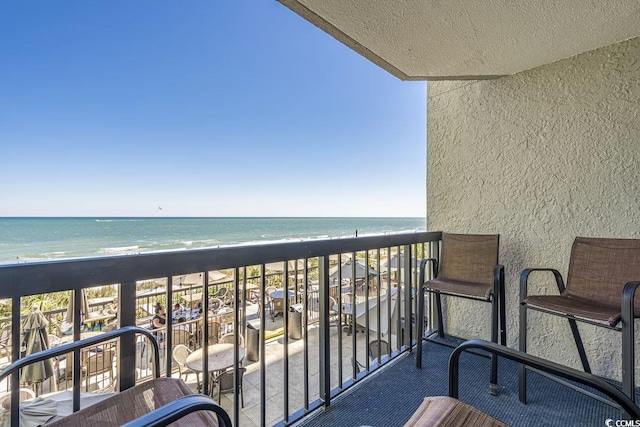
x,y
392,395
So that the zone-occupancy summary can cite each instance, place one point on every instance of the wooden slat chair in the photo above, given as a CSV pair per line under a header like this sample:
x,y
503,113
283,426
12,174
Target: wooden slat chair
x,y
441,411
468,268
600,291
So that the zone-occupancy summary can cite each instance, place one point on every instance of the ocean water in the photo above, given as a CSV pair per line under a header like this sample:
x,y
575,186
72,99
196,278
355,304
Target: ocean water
x,y
42,239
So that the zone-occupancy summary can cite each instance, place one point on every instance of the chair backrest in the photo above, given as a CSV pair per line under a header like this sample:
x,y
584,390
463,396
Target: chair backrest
x,y
469,257
24,394
313,303
599,268
221,293
378,348
333,304
230,338
53,340
5,334
100,362
214,331
215,304
180,353
225,380
180,336
268,290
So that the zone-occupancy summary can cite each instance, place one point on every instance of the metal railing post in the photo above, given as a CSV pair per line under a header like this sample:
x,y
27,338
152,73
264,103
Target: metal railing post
x,y
127,347
407,297
324,347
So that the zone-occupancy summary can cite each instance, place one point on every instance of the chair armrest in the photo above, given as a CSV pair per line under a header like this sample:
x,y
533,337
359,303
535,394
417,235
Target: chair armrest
x,y
177,409
543,365
524,277
498,278
497,271
628,296
74,347
434,269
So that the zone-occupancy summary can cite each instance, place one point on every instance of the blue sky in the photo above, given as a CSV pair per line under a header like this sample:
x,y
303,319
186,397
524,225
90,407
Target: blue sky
x,y
203,108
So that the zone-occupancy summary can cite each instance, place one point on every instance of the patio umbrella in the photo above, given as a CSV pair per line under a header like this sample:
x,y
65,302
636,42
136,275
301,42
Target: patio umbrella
x,y
35,337
347,273
216,276
84,308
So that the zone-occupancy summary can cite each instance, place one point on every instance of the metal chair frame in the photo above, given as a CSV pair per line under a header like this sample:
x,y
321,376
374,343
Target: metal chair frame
x,y
627,329
498,314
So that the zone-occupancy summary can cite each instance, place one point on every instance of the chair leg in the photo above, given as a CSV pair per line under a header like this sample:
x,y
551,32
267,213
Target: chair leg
x,y
503,311
579,345
493,383
628,340
420,328
628,360
498,327
241,397
522,383
439,310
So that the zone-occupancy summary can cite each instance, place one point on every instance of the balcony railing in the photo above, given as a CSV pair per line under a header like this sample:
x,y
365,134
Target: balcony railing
x,y
293,376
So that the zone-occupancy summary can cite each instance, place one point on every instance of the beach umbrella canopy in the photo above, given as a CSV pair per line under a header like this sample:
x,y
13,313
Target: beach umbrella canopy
x,y
84,308
347,270
35,337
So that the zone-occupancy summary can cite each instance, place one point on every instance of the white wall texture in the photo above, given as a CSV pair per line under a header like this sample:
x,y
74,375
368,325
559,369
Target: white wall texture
x,y
539,157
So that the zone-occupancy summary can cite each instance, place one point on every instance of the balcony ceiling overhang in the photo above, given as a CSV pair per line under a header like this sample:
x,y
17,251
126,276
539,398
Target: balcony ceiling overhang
x,y
465,39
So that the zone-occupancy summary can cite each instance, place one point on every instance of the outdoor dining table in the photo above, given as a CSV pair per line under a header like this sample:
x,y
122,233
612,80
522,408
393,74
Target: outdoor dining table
x,y
279,294
347,315
251,292
277,297
221,357
98,320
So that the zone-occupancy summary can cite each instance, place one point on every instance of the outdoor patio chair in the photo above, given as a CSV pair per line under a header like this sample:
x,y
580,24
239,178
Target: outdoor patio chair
x,y
180,353
224,383
222,294
333,310
448,411
216,304
214,330
100,364
147,403
268,302
5,341
230,339
378,348
357,366
181,336
468,268
599,291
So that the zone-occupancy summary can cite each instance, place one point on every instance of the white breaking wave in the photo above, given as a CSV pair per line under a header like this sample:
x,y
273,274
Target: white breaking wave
x,y
120,249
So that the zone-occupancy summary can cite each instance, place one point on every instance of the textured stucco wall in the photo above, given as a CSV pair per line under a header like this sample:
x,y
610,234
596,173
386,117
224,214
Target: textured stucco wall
x,y
540,157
